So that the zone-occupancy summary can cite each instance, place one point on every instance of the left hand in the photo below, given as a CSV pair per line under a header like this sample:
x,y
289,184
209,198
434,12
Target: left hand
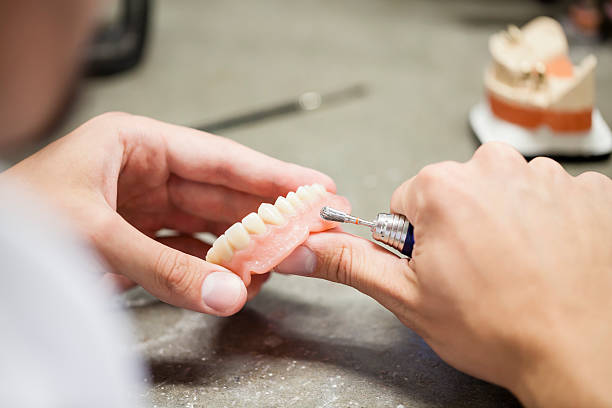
x,y
120,178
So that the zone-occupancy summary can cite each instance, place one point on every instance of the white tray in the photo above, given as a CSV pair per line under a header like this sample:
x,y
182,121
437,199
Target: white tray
x,y
542,141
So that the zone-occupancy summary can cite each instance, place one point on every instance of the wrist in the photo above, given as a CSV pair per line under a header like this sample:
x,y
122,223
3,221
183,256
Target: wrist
x,y
565,379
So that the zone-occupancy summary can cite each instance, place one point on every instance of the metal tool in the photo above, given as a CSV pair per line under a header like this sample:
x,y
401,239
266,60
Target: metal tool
x,y
392,229
308,101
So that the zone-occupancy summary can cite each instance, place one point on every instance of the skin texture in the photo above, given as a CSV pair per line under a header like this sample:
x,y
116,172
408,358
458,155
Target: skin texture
x,y
511,276
42,45
120,178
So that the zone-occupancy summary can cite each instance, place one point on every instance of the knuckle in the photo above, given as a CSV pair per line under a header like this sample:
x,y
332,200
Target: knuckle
x,y
546,164
436,182
174,272
498,151
433,175
111,116
595,179
338,266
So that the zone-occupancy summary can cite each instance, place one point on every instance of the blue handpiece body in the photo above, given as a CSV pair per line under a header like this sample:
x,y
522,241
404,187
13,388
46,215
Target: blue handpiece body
x,y
409,242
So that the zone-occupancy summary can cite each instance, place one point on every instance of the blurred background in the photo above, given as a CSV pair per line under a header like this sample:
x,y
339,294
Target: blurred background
x,y
394,82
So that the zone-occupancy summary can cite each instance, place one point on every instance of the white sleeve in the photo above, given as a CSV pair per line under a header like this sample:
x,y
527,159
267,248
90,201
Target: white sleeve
x,y
63,343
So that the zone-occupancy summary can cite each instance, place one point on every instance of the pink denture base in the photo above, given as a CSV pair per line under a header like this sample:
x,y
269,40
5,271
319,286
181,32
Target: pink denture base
x,y
269,249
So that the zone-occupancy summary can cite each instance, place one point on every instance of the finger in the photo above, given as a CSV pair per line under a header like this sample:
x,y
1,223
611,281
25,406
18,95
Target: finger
x,y
353,261
173,276
257,281
548,169
186,244
200,156
424,190
118,282
212,202
173,219
403,200
498,156
195,247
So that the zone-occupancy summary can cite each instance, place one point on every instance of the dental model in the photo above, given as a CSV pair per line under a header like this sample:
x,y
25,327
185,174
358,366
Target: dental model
x,y
536,99
263,239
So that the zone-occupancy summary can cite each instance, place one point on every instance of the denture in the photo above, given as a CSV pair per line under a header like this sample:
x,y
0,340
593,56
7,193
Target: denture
x,y
264,239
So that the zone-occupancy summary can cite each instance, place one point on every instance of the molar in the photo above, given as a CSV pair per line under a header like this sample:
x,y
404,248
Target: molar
x,y
220,252
270,215
237,236
284,206
306,194
254,224
319,188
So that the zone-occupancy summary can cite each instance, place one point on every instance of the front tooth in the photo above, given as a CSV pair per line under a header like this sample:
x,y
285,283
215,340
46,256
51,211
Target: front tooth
x,y
284,206
254,224
221,250
319,188
295,201
270,215
305,193
237,236
211,256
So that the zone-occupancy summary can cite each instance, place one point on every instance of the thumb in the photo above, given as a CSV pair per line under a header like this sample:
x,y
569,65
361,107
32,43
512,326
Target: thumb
x,y
354,261
173,276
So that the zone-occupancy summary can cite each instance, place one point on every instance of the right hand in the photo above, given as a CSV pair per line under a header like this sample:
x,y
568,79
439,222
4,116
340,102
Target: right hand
x,y
511,279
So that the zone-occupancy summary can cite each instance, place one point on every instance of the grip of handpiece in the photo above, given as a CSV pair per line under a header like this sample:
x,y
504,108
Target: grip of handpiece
x,y
396,231
408,242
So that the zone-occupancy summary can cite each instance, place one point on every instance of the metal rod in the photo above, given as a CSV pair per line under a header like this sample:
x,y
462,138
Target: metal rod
x,y
331,214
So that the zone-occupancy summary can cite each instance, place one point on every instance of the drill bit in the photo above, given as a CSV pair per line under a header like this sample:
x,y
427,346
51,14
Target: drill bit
x,y
331,214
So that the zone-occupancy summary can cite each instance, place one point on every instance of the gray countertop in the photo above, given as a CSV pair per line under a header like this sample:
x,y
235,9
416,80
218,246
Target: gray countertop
x,y
302,342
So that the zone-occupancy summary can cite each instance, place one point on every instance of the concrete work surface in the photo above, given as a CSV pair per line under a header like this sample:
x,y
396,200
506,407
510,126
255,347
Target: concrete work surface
x,y
302,342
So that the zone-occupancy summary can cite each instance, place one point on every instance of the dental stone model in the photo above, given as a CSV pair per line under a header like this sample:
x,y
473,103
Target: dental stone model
x,y
536,99
263,239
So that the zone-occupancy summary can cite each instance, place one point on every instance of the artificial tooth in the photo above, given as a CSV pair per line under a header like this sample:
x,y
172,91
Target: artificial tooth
x,y
305,193
221,250
237,236
284,206
254,224
295,201
211,256
319,188
270,215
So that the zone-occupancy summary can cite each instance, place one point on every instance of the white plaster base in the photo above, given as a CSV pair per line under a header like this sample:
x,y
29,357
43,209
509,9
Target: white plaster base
x,y
542,141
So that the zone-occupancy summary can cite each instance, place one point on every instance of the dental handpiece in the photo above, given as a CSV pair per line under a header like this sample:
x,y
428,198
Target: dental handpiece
x,y
392,229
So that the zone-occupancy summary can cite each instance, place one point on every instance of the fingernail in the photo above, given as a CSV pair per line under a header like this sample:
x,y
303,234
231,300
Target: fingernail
x,y
302,262
222,291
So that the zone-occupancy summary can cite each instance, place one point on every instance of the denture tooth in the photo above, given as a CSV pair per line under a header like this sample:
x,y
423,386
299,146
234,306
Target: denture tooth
x,y
237,236
254,224
270,215
305,194
319,188
284,206
295,201
211,256
221,250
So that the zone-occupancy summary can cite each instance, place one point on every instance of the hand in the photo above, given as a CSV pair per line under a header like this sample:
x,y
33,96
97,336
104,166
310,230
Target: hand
x,y
120,178
511,278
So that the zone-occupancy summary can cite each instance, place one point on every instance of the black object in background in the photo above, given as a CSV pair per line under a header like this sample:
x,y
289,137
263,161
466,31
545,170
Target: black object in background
x,y
119,45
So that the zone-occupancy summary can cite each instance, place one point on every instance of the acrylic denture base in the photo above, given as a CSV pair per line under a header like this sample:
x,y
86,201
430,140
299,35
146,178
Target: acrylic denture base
x,y
264,239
